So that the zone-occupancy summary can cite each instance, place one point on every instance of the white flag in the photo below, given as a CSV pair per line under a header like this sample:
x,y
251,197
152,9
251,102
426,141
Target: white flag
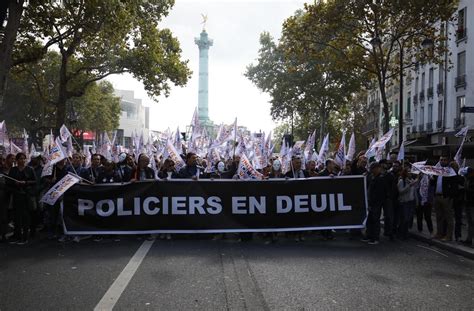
x,y
324,150
401,152
56,153
246,170
173,154
340,157
352,148
462,132
59,189
64,133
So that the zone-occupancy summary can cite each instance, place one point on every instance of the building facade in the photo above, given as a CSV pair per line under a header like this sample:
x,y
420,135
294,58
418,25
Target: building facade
x,y
434,97
134,118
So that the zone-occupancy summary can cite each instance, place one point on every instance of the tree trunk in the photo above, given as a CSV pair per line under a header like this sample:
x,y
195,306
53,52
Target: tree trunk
x,y
62,93
15,10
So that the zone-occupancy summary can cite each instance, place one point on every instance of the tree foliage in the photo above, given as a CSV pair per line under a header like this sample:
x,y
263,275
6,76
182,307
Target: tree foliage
x,y
30,101
97,38
346,29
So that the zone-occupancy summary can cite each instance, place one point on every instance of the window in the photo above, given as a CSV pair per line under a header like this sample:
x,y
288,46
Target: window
x,y
416,85
461,64
440,110
409,103
415,115
422,115
422,81
460,102
430,113
430,77
461,31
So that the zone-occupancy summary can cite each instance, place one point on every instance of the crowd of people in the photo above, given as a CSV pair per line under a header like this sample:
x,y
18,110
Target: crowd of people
x,y
396,193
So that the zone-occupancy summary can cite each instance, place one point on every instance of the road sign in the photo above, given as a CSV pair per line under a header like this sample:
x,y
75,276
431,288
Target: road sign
x,y
467,109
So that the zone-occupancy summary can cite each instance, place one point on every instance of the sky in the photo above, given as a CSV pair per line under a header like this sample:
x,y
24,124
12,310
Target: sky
x,y
235,27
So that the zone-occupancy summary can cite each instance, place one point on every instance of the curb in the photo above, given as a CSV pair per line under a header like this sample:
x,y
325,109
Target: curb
x,y
444,246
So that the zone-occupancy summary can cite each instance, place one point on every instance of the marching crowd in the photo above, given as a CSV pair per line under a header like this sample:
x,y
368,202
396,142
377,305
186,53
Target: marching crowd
x,y
396,193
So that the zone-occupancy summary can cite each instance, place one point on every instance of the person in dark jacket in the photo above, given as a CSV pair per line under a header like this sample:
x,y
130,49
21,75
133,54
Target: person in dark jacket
x,y
142,171
92,173
191,169
376,197
458,200
124,170
445,191
108,174
168,170
23,197
469,207
295,170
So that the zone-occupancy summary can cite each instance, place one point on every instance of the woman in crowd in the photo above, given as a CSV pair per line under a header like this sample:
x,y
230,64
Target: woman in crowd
x,y
168,170
276,170
22,181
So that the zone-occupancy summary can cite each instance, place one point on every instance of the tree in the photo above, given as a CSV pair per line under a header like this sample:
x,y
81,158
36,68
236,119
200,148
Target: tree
x,y
369,35
30,101
305,88
98,38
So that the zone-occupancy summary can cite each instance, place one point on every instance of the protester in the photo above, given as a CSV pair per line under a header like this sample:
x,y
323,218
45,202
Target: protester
x,y
276,170
168,170
76,165
469,207
4,199
108,174
376,198
458,200
426,193
124,170
36,165
406,198
92,173
142,171
191,169
22,182
296,170
312,171
443,203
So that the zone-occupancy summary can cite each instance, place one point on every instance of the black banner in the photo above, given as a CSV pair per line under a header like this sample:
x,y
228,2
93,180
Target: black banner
x,y
187,206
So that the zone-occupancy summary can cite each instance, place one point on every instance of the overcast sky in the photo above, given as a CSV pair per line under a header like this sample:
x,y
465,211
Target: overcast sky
x,y
235,27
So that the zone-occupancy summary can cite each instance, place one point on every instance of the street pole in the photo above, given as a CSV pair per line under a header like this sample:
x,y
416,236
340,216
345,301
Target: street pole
x,y
400,117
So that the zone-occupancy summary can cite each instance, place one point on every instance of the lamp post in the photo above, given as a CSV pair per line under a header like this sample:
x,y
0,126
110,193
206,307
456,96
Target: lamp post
x,y
427,44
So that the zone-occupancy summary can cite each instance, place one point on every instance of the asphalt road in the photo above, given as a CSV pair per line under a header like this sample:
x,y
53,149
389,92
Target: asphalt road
x,y
200,274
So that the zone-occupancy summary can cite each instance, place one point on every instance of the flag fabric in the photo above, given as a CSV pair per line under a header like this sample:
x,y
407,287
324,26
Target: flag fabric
x,y
69,147
14,149
309,146
173,154
462,132
324,150
56,152
25,144
4,140
383,140
47,169
371,151
297,149
87,157
458,155
246,170
352,148
401,152
59,189
434,170
64,133
340,157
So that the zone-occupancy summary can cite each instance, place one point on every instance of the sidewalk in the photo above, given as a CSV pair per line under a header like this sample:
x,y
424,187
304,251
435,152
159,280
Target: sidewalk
x,y
454,247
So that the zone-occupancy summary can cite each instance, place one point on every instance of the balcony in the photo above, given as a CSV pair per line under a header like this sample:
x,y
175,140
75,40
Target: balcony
x,y
422,96
440,88
421,128
439,124
415,100
413,129
429,127
461,34
429,92
460,81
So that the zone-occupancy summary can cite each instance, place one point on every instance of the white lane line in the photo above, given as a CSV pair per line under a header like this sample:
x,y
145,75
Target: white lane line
x,y
433,250
116,289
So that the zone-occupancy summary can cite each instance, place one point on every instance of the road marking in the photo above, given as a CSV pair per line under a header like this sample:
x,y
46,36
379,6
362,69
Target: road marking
x,y
433,250
118,286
